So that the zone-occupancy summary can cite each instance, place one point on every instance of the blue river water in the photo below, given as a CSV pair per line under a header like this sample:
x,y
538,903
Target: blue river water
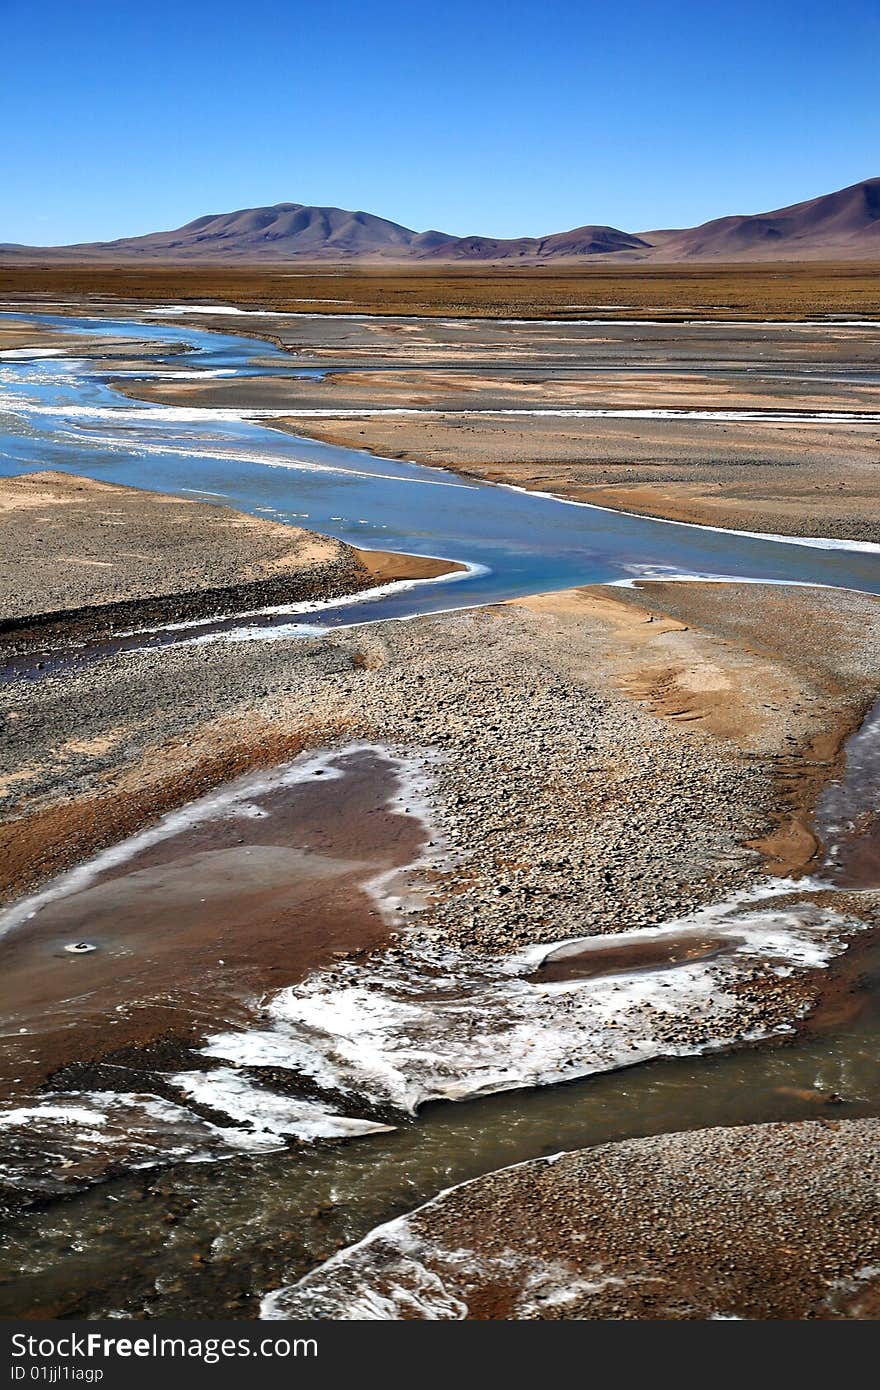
x,y
63,413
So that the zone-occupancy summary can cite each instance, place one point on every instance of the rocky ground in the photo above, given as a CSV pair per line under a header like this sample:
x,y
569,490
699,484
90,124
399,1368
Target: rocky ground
x,y
72,542
632,750
774,1221
604,766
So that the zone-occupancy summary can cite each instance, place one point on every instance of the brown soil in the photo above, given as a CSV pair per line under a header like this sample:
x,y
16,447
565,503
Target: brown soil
x,y
385,566
44,842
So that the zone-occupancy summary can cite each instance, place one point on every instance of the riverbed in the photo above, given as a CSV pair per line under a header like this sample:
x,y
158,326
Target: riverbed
x,y
514,544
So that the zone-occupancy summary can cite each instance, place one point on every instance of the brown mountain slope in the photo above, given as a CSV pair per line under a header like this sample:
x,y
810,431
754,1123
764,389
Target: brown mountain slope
x,y
272,233
839,226
582,241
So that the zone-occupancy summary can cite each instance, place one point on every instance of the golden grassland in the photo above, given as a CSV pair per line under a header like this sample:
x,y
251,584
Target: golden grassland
x,y
784,291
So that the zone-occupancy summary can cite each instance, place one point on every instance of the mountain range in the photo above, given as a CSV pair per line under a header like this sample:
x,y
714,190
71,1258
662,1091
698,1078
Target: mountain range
x,y
837,226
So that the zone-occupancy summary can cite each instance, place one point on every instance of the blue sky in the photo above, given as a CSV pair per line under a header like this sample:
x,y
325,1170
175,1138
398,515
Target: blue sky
x,y
513,118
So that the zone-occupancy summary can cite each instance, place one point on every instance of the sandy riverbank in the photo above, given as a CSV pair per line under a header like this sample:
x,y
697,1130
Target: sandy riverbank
x,y
774,1221
795,477
796,480
82,556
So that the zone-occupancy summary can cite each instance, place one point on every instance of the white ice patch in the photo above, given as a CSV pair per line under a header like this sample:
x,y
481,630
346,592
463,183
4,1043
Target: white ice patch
x,y
250,631
383,1278
158,374
446,1025
48,1136
267,1112
641,574
67,1138
842,1296
729,417
191,414
174,310
177,309
815,542
29,354
255,632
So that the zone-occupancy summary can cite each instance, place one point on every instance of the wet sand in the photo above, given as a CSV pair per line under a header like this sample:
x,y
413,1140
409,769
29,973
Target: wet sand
x,y
588,960
188,931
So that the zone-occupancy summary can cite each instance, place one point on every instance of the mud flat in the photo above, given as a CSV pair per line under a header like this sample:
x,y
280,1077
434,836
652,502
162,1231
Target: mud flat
x,y
83,557
173,932
629,727
766,1221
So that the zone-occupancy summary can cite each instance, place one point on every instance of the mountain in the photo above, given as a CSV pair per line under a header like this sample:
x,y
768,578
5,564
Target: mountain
x,y
273,233
583,241
841,225
291,229
838,226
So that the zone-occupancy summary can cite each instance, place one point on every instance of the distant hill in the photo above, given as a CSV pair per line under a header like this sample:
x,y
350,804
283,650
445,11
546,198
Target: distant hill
x,y
272,234
583,241
837,226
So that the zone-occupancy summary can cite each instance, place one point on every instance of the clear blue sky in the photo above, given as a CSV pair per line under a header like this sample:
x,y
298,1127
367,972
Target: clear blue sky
x,y
121,118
